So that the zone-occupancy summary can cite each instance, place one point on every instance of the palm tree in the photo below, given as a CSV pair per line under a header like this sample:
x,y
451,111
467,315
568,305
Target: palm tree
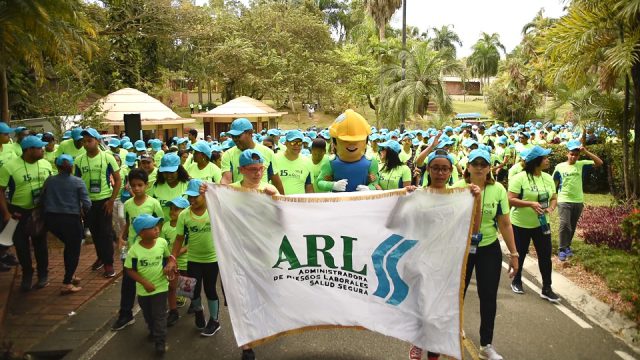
x,y
422,83
381,12
445,38
33,32
483,62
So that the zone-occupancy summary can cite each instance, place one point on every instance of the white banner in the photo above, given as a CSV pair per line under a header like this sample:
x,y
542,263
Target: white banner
x,y
390,262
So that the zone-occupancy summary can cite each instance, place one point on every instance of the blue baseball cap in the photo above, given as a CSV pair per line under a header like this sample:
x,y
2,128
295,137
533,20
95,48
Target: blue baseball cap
x,y
32,141
525,134
5,129
130,159
125,138
127,145
480,153
140,146
249,157
92,133
238,126
448,128
294,135
392,145
222,134
439,154
145,221
228,144
169,163
536,152
113,142
325,134
156,144
76,134
193,189
574,145
20,129
62,158
312,134
273,132
181,141
66,135
179,202
202,147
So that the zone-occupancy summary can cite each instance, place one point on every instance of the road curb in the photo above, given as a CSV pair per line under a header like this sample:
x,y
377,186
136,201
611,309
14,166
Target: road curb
x,y
595,310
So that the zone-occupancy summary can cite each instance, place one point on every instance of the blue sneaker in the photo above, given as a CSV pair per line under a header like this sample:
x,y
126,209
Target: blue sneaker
x,y
568,251
562,254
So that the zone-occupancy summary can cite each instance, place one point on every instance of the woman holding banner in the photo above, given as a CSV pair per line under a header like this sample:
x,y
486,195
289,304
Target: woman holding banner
x,y
485,255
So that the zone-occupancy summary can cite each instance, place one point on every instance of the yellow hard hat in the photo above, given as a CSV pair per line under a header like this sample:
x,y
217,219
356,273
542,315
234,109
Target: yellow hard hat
x,y
350,126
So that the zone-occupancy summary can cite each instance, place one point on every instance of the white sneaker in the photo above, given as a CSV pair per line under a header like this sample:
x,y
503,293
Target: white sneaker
x,y
489,353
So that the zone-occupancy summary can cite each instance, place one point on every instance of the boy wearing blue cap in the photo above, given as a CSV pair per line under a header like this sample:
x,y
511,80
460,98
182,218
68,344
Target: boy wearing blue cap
x,y
7,150
144,264
568,179
202,168
251,167
20,133
24,176
72,146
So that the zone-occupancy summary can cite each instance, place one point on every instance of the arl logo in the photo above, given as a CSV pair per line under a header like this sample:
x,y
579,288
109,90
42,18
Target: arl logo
x,y
385,263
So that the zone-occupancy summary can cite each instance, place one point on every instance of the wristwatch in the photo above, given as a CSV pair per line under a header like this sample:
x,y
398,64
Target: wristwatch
x,y
515,254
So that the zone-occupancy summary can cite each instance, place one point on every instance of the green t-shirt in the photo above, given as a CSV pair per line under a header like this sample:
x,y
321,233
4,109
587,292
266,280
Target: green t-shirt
x,y
24,180
68,147
395,178
315,172
152,181
50,156
231,162
165,193
149,263
169,233
197,232
96,173
7,153
295,175
529,188
570,179
515,169
157,157
261,186
494,202
404,156
17,148
150,206
211,172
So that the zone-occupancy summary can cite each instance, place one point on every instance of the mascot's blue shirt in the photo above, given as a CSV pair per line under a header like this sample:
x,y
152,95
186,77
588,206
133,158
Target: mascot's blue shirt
x,y
356,173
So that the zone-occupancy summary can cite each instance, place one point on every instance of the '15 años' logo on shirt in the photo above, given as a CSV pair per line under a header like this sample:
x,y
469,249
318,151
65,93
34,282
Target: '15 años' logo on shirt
x,y
151,262
197,229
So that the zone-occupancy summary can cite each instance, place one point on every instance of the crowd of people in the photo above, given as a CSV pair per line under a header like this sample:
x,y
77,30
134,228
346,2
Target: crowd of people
x,y
146,200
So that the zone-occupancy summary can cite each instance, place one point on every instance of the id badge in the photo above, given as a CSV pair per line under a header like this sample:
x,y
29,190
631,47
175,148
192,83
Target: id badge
x,y
475,240
35,194
543,199
94,186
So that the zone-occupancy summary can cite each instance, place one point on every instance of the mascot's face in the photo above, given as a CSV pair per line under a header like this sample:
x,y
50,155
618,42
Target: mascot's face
x,y
350,151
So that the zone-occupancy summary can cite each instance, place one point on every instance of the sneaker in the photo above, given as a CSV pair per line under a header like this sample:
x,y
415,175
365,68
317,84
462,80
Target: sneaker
x,y
200,324
43,281
415,353
27,283
161,348
108,271
123,322
562,254
181,301
9,259
569,252
211,329
173,317
191,309
97,265
548,294
517,288
489,353
248,354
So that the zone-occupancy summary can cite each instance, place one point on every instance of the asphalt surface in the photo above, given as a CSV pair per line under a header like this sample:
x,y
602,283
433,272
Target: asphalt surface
x,y
527,327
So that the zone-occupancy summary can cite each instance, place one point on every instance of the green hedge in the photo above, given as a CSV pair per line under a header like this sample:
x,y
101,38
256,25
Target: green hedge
x,y
605,179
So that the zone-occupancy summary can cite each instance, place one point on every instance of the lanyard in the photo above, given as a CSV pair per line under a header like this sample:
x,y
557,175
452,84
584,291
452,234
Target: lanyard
x,y
26,171
89,167
536,185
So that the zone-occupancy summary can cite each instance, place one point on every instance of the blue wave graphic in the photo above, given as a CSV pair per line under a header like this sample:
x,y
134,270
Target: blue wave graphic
x,y
378,260
400,288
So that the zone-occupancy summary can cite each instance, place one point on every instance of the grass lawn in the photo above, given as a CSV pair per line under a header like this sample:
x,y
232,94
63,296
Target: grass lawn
x,y
619,269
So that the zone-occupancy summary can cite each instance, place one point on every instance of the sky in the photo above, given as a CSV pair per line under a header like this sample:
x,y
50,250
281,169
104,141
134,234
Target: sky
x,y
472,17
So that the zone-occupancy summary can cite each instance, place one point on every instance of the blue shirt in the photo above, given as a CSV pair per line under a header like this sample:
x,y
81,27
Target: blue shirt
x,y
356,173
64,194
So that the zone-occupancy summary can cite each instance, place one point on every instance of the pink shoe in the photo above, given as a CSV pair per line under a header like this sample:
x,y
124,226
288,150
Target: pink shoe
x,y
415,353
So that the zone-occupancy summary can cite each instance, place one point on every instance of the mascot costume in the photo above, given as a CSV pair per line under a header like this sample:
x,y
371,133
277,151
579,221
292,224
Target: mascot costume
x,y
350,169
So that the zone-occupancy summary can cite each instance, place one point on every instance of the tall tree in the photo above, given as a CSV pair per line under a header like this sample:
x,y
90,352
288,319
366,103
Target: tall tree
x,y
445,38
483,62
381,12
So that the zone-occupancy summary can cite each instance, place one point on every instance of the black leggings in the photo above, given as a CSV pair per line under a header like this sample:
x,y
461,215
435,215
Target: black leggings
x,y
488,264
68,228
542,243
206,274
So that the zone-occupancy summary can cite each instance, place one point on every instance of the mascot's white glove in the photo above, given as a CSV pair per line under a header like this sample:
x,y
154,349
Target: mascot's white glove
x,y
340,185
362,188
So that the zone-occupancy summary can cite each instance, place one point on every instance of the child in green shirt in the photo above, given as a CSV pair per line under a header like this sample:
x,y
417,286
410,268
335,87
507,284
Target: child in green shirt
x,y
144,264
169,233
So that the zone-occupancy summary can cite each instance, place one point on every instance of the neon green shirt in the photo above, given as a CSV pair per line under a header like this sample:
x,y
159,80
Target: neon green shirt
x,y
394,179
152,181
570,179
96,173
515,169
150,206
24,180
149,263
7,153
231,162
197,232
315,172
261,186
295,175
68,147
165,193
157,157
169,233
17,148
404,156
529,188
50,156
494,202
211,172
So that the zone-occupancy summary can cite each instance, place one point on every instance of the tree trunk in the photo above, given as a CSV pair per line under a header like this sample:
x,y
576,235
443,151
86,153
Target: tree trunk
x,y
199,91
625,140
292,106
635,75
381,33
4,96
209,91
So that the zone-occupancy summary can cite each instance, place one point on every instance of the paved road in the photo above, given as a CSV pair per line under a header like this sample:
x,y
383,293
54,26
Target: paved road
x,y
527,327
